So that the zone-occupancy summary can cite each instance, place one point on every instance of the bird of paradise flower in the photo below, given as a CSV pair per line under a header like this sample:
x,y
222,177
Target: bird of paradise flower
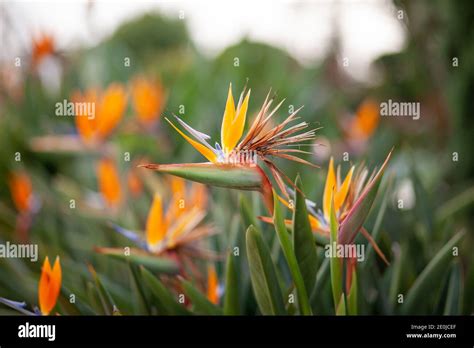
x,y
49,288
172,230
352,198
226,167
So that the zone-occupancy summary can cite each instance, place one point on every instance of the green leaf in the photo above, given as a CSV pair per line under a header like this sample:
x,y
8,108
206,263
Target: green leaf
x,y
361,208
165,301
321,281
335,262
455,204
201,304
468,305
290,257
303,240
141,304
455,290
221,175
263,275
106,300
352,297
397,272
433,271
152,262
231,295
79,307
377,225
248,217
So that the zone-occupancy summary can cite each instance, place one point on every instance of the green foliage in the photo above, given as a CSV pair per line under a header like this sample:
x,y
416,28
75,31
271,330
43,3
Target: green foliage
x,y
263,274
303,240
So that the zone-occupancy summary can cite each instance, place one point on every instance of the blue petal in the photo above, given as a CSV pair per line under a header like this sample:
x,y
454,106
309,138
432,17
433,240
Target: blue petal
x,y
134,237
18,306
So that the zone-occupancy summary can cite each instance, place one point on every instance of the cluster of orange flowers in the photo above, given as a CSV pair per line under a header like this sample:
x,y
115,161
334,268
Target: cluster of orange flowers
x,y
148,97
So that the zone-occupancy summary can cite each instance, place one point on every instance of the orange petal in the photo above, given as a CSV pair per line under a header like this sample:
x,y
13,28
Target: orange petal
x,y
182,226
111,109
328,188
341,194
227,122
155,224
285,203
206,152
212,285
237,126
178,187
366,120
85,125
147,99
199,196
109,182
42,47
134,183
49,286
314,223
21,191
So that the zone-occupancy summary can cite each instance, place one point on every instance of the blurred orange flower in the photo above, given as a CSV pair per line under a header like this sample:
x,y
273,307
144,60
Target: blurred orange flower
x,y
21,191
109,109
109,182
49,285
365,122
135,186
212,285
42,46
148,98
176,225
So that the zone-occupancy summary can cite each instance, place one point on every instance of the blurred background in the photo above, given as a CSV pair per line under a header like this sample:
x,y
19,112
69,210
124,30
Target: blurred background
x,y
147,59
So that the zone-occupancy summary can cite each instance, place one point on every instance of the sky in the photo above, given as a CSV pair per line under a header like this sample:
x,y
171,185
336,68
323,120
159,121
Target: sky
x,y
304,28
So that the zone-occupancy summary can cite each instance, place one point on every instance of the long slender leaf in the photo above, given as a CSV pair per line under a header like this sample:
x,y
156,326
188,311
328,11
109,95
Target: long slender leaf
x,y
263,275
335,263
352,297
231,295
166,303
141,303
433,271
303,240
455,290
106,299
138,257
200,302
287,247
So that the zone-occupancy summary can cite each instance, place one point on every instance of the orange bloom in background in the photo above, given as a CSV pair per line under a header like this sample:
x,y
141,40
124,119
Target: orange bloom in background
x,y
366,120
212,285
109,182
49,285
135,186
148,98
21,191
167,228
109,108
42,46
155,223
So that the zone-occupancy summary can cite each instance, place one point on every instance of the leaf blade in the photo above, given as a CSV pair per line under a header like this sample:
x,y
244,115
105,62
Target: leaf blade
x,y
263,275
303,240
